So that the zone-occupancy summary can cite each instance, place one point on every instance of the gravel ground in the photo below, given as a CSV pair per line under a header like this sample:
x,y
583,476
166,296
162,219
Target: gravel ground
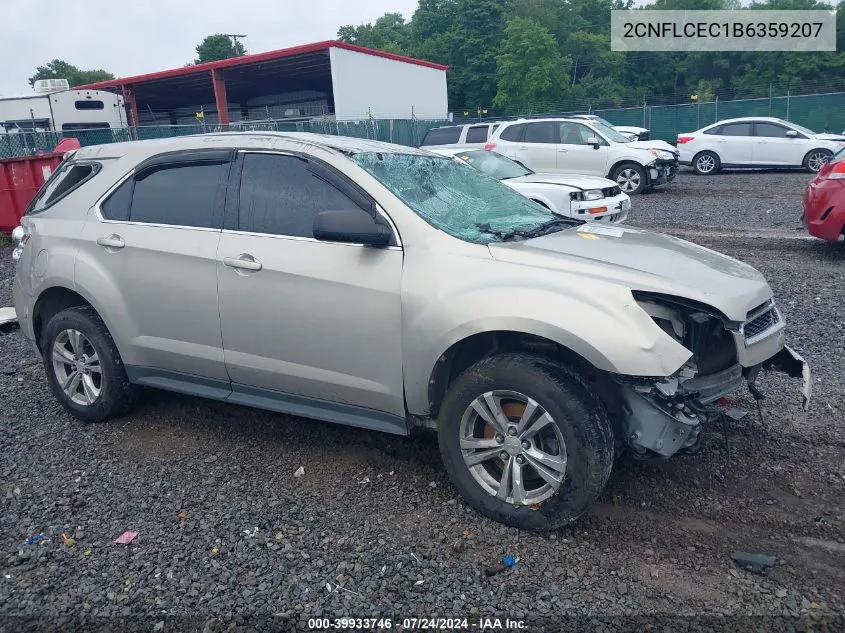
x,y
231,540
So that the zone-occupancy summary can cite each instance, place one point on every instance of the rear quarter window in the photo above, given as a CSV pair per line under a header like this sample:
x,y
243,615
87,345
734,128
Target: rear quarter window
x,y
67,178
512,132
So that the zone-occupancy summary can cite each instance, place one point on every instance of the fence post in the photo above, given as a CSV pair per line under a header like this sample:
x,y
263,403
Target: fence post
x,y
770,99
716,116
787,105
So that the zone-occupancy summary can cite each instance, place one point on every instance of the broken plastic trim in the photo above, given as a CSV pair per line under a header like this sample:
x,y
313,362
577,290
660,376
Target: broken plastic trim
x,y
681,302
793,364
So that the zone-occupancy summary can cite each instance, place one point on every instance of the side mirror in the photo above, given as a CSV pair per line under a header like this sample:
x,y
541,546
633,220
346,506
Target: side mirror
x,y
594,142
352,226
791,134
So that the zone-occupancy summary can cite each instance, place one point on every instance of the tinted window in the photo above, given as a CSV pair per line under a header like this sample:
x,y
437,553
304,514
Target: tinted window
x,y
544,132
771,130
181,195
736,129
477,134
89,105
116,206
442,136
281,195
512,132
714,130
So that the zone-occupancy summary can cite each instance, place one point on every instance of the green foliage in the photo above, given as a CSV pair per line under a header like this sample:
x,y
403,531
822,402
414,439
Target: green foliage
x,y
512,56
59,69
530,69
217,47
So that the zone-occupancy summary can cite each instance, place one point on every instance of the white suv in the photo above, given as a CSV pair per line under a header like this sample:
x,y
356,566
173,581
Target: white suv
x,y
565,145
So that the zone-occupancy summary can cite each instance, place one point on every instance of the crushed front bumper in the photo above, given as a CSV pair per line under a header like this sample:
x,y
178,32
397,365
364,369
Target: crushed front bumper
x,y
667,415
661,172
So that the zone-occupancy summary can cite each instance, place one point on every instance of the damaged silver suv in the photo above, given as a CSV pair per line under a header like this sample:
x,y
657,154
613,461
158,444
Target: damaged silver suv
x,y
387,288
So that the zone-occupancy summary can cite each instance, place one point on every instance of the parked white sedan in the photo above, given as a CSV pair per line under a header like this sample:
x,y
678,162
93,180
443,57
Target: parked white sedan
x,y
572,195
756,142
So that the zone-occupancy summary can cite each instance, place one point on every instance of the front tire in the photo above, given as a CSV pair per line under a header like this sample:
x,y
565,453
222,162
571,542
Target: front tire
x,y
815,160
525,442
706,164
631,178
84,369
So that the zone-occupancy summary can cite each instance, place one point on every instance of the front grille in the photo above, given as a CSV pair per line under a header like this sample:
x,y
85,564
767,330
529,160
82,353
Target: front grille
x,y
609,192
760,320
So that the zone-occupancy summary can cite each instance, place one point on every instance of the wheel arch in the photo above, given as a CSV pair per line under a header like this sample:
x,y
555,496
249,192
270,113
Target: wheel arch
x,y
50,302
628,161
470,349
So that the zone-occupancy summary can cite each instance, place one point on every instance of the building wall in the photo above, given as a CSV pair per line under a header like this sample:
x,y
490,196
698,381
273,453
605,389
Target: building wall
x,y
386,88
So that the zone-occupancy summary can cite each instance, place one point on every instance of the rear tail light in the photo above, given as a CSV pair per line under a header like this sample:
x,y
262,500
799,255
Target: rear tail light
x,y
833,171
490,146
21,238
685,139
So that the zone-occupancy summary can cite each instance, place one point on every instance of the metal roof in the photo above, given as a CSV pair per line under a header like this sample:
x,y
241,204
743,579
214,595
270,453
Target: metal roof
x,y
256,59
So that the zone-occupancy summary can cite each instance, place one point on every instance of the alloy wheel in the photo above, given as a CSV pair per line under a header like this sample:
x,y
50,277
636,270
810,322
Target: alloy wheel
x,y
513,448
705,164
77,367
816,160
628,180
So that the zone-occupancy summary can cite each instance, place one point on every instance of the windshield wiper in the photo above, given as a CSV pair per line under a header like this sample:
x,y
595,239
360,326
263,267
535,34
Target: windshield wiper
x,y
535,231
545,228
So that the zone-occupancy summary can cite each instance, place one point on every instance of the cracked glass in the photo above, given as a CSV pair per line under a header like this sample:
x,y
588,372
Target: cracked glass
x,y
454,197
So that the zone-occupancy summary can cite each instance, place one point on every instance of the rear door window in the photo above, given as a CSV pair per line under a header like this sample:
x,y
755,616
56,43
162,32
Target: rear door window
x,y
442,136
771,130
477,134
542,132
180,194
736,129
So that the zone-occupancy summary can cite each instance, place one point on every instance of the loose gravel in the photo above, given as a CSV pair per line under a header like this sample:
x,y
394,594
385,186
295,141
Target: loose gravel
x,y
230,539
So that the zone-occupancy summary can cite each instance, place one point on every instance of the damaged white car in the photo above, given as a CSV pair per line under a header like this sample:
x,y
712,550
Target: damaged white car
x,y
385,287
572,195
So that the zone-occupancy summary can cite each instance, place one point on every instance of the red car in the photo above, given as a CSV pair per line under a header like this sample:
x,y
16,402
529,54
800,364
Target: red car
x,y
824,201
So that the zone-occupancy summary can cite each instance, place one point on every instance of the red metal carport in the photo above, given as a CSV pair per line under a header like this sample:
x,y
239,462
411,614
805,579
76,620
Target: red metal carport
x,y
237,79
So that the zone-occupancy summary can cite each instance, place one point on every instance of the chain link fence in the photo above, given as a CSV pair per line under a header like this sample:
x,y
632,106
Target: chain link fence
x,y
401,131
819,112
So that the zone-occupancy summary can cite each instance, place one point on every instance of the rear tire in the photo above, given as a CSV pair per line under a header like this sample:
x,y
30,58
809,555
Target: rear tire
x,y
706,163
815,160
572,440
631,178
84,368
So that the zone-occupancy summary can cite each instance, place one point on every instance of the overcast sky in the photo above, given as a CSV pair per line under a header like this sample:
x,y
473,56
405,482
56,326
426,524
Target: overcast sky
x,y
139,36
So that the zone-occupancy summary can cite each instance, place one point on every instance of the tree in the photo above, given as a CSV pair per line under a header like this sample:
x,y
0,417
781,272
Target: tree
x,y
59,69
530,68
389,33
216,47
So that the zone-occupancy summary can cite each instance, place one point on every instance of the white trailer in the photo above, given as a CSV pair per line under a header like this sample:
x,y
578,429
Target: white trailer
x,y
62,111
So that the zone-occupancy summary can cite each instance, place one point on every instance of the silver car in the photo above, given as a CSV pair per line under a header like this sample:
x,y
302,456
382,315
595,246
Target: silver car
x,y
384,287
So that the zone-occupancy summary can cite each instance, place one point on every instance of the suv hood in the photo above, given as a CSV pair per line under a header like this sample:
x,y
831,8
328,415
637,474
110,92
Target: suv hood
x,y
656,144
642,260
830,137
573,181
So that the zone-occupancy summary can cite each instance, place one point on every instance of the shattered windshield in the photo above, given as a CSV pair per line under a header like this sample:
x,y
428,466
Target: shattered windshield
x,y
493,164
610,133
461,202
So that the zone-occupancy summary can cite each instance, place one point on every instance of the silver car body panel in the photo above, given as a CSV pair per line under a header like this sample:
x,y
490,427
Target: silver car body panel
x,y
361,327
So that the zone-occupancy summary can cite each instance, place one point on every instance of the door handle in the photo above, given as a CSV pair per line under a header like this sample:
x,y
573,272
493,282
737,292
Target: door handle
x,y
563,149
243,262
523,147
112,241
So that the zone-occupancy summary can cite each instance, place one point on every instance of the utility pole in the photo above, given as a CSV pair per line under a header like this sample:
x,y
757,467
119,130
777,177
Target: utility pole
x,y
234,38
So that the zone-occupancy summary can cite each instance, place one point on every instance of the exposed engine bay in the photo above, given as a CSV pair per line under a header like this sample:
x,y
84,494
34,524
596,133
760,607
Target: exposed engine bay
x,y
665,415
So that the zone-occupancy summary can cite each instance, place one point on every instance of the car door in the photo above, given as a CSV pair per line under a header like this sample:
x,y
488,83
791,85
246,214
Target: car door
x,y
538,148
773,147
150,248
577,156
308,326
735,143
